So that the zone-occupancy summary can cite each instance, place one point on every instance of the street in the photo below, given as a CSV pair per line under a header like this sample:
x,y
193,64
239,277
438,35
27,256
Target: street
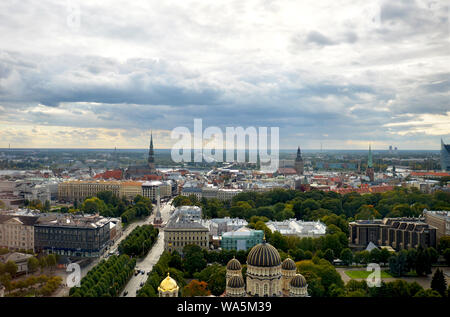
x,y
146,264
152,257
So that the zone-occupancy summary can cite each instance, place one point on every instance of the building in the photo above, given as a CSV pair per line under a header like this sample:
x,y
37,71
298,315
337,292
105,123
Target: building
x,y
445,156
398,233
80,190
298,165
142,171
241,239
218,226
181,231
370,171
79,236
266,275
188,213
299,228
440,220
20,259
188,191
150,189
17,232
130,190
168,287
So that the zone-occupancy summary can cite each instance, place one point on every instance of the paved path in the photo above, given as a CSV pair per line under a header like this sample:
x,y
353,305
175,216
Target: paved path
x,y
146,263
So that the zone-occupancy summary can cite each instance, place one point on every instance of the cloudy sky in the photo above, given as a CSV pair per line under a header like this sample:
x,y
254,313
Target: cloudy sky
x,y
100,74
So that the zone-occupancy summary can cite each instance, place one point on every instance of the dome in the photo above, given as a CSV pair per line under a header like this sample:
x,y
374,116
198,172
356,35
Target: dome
x,y
298,281
288,264
236,282
234,265
264,255
168,284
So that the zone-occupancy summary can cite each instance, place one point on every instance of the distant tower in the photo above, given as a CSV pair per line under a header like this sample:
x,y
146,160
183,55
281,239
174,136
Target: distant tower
x,y
445,156
151,155
299,162
158,219
369,170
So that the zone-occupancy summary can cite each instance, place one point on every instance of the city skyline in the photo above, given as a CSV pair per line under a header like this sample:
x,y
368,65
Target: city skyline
x,y
344,75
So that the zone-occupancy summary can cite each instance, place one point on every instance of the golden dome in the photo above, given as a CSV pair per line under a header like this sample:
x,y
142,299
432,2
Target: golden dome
x,y
168,284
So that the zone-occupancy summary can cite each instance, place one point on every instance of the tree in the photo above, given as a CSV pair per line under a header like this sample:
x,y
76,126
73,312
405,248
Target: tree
x,y
385,255
33,264
11,268
93,205
423,262
427,293
375,255
329,255
47,206
347,256
196,288
194,260
433,255
446,254
444,243
51,261
215,276
398,263
438,282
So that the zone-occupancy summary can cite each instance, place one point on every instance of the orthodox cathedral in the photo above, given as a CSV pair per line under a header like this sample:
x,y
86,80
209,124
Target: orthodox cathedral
x,y
267,276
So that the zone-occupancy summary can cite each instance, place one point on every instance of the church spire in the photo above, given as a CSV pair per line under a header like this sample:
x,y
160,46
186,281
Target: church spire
x,y
151,153
299,154
370,160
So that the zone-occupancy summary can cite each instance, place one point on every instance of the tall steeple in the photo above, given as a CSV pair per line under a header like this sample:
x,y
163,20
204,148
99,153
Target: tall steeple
x,y
370,160
299,155
370,171
151,154
298,165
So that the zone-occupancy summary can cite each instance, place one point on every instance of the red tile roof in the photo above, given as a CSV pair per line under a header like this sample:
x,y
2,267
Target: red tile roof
x,y
116,174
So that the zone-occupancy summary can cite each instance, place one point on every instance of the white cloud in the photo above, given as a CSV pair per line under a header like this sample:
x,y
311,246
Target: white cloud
x,y
309,67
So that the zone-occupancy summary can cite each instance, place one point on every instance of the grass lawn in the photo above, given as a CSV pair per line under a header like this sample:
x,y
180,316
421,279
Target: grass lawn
x,y
365,274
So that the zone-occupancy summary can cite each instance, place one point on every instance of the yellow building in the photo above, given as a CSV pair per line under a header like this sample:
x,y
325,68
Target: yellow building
x,y
80,189
129,190
179,233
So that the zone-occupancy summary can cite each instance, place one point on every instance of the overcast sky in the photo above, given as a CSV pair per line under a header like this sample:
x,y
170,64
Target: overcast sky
x,y
341,73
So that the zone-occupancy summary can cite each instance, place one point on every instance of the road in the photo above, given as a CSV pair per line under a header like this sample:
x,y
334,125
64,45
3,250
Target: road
x,y
152,257
148,262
